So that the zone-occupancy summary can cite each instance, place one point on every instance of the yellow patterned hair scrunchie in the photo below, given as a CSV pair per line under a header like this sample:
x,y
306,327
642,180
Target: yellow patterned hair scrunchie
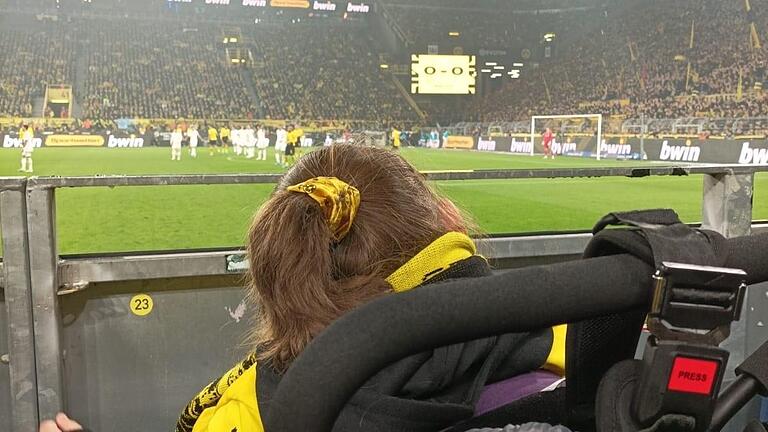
x,y
338,200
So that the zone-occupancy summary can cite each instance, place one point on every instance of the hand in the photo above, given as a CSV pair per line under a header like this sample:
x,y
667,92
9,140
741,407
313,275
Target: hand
x,y
62,424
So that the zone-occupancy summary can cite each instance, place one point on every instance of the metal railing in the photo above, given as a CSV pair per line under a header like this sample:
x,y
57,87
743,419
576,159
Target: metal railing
x,y
36,278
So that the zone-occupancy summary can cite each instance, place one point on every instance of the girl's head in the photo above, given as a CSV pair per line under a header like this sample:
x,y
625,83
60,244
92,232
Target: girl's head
x,y
303,275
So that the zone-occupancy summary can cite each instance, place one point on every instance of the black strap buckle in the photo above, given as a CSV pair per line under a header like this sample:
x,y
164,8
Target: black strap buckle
x,y
683,367
696,304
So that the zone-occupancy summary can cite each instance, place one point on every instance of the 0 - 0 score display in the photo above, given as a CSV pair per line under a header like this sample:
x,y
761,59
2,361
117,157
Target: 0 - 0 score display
x,y
443,74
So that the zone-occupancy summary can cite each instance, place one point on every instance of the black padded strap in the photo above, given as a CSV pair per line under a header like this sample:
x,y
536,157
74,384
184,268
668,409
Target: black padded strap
x,y
640,218
657,236
594,346
756,366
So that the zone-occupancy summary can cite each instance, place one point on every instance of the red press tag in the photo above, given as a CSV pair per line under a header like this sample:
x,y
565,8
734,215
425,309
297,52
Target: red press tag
x,y
691,375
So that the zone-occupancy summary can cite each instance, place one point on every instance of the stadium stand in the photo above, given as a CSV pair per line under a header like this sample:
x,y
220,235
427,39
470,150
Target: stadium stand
x,y
424,26
157,70
33,59
341,79
481,28
639,65
626,59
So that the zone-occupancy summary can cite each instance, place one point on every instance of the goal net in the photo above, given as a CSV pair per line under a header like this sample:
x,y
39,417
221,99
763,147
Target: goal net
x,y
574,134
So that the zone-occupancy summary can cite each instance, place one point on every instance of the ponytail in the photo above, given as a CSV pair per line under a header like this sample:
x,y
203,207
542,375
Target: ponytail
x,y
308,266
293,278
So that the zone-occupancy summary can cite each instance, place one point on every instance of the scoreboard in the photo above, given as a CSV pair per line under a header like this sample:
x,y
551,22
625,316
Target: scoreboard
x,y
443,74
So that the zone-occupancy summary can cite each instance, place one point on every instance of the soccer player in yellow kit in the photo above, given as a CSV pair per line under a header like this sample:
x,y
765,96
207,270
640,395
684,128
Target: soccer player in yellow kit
x,y
213,139
299,141
294,141
225,133
395,139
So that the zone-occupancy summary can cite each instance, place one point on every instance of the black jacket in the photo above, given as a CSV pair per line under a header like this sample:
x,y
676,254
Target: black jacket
x,y
437,389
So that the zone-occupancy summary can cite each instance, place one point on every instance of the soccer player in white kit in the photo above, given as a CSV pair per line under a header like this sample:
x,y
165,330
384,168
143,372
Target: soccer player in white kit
x,y
280,143
328,140
27,136
194,138
248,142
235,137
244,139
262,142
176,138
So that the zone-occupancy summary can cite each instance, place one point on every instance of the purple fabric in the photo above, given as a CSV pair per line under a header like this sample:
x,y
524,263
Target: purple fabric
x,y
505,392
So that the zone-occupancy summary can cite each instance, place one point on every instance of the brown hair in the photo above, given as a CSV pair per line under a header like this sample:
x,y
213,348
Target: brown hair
x,y
301,281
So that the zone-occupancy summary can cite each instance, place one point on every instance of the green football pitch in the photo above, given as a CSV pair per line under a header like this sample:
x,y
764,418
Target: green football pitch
x,y
95,220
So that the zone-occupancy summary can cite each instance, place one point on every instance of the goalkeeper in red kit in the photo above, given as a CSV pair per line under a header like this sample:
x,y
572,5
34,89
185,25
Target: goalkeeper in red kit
x,y
546,141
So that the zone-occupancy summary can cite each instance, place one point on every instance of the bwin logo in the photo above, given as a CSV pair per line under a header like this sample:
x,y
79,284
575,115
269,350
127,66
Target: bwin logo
x,y
750,156
351,7
520,146
679,153
486,145
125,142
615,149
9,142
563,148
324,6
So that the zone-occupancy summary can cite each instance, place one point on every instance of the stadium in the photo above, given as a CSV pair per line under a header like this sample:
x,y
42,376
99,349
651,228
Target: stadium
x,y
162,163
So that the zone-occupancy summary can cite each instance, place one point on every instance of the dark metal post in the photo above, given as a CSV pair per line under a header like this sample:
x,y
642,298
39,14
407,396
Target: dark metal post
x,y
727,209
43,260
727,204
18,301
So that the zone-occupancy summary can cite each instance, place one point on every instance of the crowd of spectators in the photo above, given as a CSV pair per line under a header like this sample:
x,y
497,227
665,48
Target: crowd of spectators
x,y
651,58
153,70
489,29
636,62
160,69
322,72
31,59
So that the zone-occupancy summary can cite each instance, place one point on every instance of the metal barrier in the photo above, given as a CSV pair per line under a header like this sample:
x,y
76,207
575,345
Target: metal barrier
x,y
18,359
5,370
117,370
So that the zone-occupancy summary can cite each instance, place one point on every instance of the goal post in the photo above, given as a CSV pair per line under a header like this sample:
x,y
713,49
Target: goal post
x,y
599,118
